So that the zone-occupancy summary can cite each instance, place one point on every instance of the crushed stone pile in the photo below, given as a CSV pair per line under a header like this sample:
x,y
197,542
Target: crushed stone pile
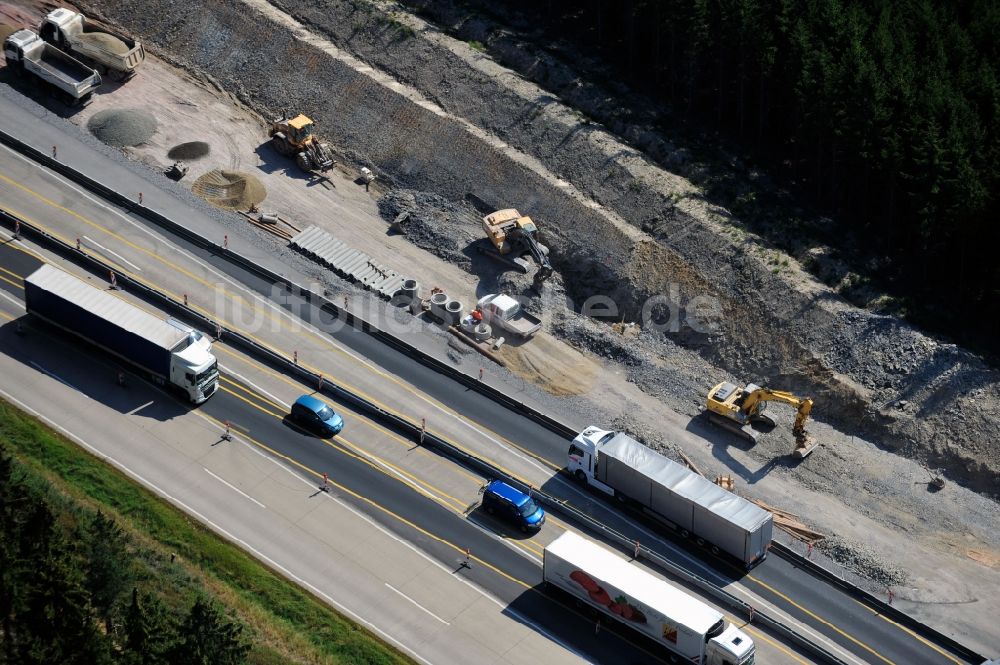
x,y
189,151
233,190
122,127
105,42
864,560
446,228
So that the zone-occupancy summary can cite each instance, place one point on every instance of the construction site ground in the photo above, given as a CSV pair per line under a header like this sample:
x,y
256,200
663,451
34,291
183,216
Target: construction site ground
x,y
939,552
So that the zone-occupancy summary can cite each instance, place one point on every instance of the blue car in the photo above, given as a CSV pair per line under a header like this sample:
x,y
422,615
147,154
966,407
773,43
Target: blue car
x,y
513,505
314,414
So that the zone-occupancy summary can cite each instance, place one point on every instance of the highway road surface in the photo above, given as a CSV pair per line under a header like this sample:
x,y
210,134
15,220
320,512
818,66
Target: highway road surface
x,y
854,631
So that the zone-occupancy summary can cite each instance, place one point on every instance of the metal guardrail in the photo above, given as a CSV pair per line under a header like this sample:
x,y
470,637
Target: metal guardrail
x,y
416,431
413,430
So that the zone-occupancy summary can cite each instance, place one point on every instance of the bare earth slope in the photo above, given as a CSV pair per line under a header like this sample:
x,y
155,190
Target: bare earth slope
x,y
624,227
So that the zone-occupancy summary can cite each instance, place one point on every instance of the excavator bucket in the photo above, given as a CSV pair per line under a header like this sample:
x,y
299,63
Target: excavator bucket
x,y
804,445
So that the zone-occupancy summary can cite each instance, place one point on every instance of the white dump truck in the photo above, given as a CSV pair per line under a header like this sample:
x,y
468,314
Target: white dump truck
x,y
672,494
113,54
506,314
28,55
686,627
169,353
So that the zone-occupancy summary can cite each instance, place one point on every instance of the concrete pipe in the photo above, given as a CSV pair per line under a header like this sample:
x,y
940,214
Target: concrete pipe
x,y
408,293
438,302
454,309
483,332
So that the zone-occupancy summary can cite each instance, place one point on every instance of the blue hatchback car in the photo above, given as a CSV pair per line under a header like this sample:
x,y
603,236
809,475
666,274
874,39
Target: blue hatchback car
x,y
314,414
513,505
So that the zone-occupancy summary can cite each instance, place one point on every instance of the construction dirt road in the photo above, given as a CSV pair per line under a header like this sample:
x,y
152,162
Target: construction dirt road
x,y
446,129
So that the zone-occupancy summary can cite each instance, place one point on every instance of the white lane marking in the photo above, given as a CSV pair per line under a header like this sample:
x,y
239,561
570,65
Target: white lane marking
x,y
235,489
54,376
228,370
6,296
294,321
109,251
417,604
319,592
138,408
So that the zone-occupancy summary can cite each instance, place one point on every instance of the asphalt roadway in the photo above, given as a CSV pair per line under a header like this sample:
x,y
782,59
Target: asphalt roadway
x,y
842,620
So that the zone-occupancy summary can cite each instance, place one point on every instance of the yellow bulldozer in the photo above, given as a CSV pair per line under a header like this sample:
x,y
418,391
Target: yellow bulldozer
x,y
738,409
514,237
294,137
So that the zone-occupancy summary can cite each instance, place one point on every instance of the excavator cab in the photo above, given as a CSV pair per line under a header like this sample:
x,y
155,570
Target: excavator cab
x,y
738,409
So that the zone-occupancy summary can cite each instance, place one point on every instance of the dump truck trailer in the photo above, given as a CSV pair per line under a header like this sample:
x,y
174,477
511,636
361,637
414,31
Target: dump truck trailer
x,y
111,53
672,494
675,621
28,55
168,353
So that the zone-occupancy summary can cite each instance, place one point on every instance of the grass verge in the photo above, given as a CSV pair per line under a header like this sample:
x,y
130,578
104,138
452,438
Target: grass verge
x,y
286,623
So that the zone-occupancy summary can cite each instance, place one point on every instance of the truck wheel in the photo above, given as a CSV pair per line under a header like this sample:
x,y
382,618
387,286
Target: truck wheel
x,y
685,534
581,476
715,550
621,497
700,541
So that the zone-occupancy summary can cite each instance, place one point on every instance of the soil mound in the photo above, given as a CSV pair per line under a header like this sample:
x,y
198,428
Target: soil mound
x,y
6,31
106,42
189,151
232,190
122,127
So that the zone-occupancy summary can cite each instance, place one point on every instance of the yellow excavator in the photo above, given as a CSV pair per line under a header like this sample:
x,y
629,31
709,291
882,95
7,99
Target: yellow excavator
x,y
514,236
737,409
294,137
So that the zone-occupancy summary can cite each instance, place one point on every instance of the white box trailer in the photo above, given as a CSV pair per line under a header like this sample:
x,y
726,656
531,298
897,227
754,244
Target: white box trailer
x,y
634,597
694,506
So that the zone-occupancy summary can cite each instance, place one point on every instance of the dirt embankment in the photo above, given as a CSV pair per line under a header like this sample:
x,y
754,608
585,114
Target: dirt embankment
x,y
621,226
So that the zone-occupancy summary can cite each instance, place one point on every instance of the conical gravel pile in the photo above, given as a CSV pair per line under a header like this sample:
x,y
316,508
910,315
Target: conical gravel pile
x,y
122,127
233,190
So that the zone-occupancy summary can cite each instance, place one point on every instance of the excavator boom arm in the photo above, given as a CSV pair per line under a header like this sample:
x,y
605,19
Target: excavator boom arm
x,y
804,405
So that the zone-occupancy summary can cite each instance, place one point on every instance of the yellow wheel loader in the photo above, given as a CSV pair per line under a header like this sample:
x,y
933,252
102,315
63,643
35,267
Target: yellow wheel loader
x,y
294,137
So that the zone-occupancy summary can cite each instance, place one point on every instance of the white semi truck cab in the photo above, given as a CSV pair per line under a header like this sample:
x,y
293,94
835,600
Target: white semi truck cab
x,y
671,494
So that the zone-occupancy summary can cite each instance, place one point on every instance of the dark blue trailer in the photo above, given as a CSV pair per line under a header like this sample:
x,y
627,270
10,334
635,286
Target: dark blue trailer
x,y
168,353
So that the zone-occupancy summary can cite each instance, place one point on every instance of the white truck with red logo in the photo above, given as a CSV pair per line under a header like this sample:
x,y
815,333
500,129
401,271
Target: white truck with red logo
x,y
686,627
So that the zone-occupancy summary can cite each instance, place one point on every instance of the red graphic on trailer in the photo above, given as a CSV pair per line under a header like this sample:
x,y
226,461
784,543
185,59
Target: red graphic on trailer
x,y
618,605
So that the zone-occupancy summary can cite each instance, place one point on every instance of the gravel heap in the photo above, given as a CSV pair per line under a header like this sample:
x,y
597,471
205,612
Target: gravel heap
x,y
233,190
189,151
863,560
122,127
105,42
443,227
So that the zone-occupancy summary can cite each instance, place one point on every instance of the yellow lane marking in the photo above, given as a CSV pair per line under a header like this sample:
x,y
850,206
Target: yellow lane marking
x,y
458,504
910,632
757,635
253,404
341,441
329,344
821,620
11,273
19,285
325,341
251,394
298,385
374,504
7,316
